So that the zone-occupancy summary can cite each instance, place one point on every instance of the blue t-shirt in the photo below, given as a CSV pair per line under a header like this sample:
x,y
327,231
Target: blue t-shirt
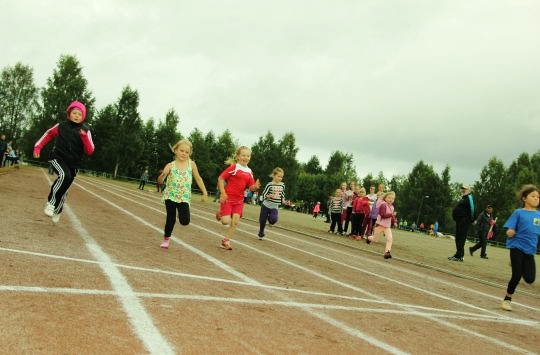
x,y
527,226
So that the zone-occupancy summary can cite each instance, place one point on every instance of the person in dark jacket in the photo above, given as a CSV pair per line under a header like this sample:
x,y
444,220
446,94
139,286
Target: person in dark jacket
x,y
484,224
464,215
73,140
3,148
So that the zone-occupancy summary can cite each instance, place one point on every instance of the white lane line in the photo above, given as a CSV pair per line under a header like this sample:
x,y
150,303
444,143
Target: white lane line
x,y
350,330
340,325
242,283
139,319
386,265
291,304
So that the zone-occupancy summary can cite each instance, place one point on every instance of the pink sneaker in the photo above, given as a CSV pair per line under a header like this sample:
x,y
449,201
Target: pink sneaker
x,y
226,244
165,244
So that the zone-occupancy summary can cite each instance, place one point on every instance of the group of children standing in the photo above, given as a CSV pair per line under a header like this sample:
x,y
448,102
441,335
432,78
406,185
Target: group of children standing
x,y
370,215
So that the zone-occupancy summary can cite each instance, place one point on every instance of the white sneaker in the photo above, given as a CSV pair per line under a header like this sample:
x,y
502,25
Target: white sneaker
x,y
49,209
506,305
55,218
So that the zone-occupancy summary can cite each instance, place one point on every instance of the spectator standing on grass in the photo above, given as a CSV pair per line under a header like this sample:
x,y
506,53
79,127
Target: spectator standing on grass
x,y
328,204
484,223
360,213
386,218
316,210
7,153
273,196
522,230
143,180
73,140
3,148
11,158
463,214
232,182
347,205
374,213
336,211
179,175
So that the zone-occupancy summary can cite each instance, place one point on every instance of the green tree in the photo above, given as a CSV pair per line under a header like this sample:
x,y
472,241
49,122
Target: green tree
x,y
129,140
313,166
492,188
104,132
289,163
224,148
340,165
18,100
66,85
166,134
422,196
265,156
202,151
149,156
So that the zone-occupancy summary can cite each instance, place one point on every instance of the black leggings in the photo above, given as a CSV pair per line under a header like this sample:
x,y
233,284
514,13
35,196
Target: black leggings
x,y
183,215
59,188
522,266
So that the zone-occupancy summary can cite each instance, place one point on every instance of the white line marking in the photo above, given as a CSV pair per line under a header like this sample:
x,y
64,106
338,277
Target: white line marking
x,y
141,322
292,304
344,327
324,316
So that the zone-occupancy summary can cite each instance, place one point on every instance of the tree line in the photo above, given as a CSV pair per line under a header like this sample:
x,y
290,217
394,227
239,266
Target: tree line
x,y
126,144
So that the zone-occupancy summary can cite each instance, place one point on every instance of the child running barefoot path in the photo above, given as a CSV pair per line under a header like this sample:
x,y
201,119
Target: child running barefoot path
x,y
73,140
273,195
238,176
179,175
522,230
385,219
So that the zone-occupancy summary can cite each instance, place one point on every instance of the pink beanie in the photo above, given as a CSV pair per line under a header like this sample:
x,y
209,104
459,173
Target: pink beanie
x,y
77,105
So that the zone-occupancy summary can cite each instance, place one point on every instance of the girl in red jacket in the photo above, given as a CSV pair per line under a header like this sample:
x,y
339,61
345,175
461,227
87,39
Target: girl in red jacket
x,y
360,213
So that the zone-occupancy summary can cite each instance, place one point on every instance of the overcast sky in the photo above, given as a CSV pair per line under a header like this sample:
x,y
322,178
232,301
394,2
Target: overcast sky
x,y
391,82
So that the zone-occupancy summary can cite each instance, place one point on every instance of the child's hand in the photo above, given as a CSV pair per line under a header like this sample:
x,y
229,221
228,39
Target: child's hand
x,y
223,197
36,153
82,132
204,197
257,185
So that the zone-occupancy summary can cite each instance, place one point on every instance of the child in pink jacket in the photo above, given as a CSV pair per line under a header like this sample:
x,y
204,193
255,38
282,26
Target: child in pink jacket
x,y
385,219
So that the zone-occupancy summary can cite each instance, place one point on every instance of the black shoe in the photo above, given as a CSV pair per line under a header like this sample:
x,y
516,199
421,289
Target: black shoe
x,y
387,255
261,236
455,258
471,251
484,257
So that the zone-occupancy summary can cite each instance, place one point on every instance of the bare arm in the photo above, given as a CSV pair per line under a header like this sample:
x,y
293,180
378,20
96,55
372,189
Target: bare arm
x,y
166,170
199,181
221,186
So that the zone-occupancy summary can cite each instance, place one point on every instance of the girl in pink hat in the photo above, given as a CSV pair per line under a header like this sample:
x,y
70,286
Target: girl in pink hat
x,y
73,140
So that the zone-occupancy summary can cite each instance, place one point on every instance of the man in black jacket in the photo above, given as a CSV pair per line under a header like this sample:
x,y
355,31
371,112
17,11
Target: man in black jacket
x,y
463,214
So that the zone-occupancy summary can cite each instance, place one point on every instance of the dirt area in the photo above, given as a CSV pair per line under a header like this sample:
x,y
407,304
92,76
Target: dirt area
x,y
98,283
